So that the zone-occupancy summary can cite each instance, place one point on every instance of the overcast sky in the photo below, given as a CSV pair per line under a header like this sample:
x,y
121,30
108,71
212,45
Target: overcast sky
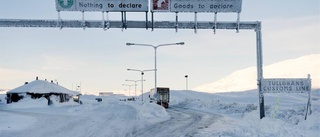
x,y
99,59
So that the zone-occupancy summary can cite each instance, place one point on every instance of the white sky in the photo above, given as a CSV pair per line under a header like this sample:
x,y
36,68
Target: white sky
x,y
100,59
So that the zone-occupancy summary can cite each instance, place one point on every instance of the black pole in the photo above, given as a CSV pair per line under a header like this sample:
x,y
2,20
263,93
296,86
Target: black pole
x,y
146,20
152,21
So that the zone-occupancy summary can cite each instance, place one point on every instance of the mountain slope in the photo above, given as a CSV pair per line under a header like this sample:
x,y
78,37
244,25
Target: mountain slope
x,y
246,79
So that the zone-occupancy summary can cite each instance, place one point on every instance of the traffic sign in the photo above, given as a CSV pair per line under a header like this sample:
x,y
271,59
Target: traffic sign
x,y
197,5
102,5
65,5
301,85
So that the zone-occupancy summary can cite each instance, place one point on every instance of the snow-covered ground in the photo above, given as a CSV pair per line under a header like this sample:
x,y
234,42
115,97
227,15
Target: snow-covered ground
x,y
191,114
285,113
111,117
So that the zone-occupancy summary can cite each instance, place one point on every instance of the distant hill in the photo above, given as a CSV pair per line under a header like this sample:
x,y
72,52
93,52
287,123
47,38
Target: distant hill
x,y
3,91
245,79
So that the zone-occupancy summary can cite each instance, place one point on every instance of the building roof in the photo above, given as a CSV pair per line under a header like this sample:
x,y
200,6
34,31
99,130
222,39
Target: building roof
x,y
42,87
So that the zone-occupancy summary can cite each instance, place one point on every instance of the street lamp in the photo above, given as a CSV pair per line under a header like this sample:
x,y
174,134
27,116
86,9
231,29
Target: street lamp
x,y
128,86
186,76
155,56
142,72
135,86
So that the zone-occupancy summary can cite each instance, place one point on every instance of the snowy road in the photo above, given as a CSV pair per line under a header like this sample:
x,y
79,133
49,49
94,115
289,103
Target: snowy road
x,y
183,123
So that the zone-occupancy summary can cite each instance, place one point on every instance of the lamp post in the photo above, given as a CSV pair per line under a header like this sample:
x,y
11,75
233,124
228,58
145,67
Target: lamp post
x,y
142,73
128,86
135,86
186,76
155,56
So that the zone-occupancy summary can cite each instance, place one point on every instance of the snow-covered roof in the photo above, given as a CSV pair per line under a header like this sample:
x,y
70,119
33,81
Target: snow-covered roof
x,y
41,86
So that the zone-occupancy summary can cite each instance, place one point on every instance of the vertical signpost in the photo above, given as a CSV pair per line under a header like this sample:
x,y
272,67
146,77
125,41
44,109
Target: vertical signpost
x,y
259,68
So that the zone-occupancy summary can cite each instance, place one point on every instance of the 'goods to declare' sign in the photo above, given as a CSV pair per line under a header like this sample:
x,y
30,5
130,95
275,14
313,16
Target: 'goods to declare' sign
x,y
102,5
301,85
197,5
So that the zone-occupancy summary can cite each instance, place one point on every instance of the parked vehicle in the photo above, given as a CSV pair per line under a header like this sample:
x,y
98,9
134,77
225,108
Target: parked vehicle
x,y
161,97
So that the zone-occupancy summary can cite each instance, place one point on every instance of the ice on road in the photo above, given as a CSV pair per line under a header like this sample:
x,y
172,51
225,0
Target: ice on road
x,y
182,123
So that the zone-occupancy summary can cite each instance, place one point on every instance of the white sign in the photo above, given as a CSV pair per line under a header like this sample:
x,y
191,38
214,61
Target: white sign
x,y
91,5
197,5
102,5
302,85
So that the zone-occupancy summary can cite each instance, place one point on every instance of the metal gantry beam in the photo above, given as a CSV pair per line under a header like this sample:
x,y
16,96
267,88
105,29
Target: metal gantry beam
x,y
129,24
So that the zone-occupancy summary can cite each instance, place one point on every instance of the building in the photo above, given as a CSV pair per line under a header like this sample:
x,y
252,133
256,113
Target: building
x,y
42,88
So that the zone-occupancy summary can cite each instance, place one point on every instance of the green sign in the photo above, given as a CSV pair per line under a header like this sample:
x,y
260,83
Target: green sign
x,y
66,4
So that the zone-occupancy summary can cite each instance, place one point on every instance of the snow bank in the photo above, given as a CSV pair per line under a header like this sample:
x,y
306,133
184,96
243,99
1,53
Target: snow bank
x,y
153,112
251,125
241,115
224,103
3,98
119,118
27,102
110,117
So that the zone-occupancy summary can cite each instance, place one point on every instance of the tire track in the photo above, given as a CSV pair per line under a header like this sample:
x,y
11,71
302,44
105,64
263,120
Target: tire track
x,y
183,122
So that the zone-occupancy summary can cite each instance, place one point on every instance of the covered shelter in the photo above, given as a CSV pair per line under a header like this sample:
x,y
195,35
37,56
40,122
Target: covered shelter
x,y
42,88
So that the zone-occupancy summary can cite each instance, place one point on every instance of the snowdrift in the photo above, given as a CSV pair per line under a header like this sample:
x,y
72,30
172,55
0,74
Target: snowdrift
x,y
110,117
285,113
239,115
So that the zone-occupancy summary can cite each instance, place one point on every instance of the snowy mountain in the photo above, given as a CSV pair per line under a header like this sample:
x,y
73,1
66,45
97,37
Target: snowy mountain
x,y
3,91
245,79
